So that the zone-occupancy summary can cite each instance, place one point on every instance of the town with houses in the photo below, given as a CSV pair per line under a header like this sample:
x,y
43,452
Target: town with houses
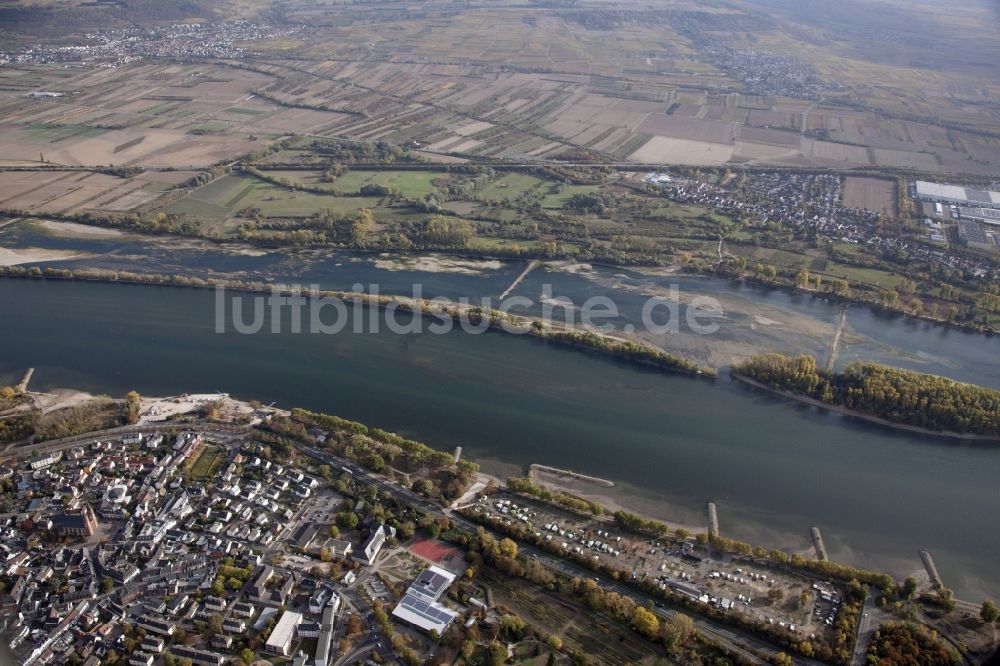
x,y
188,541
112,547
765,73
813,203
114,48
256,536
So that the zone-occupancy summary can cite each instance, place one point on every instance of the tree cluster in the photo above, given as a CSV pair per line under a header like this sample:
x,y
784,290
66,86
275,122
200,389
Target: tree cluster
x,y
908,644
562,498
379,451
632,351
902,396
634,523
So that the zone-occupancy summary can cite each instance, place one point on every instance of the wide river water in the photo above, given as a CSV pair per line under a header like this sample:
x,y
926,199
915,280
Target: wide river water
x,y
774,467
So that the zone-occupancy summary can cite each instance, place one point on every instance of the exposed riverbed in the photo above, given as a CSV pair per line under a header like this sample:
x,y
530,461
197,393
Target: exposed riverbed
x,y
754,319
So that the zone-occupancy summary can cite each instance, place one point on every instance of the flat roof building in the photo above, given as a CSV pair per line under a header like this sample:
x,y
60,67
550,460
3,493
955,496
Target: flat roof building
x,y
973,235
955,194
425,616
984,215
431,583
419,607
280,640
325,640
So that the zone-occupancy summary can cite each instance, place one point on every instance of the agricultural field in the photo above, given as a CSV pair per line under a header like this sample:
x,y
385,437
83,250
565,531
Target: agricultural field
x,y
874,194
413,184
758,141
563,194
410,184
520,115
71,192
519,110
154,121
793,260
513,212
866,276
512,186
608,83
227,196
166,148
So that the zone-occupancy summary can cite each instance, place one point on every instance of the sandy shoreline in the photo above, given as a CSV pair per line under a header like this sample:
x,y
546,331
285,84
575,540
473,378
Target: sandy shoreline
x,y
153,409
614,501
436,263
157,410
74,230
34,255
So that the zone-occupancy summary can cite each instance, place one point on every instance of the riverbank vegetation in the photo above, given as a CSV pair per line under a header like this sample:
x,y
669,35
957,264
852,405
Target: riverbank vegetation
x,y
710,221
93,415
677,635
816,647
628,350
18,427
634,523
900,396
496,320
909,644
562,498
434,473
10,397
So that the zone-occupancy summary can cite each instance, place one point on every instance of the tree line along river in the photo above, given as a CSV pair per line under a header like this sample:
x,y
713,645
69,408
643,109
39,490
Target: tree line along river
x,y
775,467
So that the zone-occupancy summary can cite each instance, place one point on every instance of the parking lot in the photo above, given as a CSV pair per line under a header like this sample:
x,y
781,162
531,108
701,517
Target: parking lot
x,y
376,590
322,508
801,605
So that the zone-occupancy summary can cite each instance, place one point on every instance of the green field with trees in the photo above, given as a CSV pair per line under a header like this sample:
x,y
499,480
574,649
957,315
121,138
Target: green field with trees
x,y
413,184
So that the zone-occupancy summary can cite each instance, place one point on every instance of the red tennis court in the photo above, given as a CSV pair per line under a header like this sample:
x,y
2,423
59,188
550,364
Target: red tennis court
x,y
435,551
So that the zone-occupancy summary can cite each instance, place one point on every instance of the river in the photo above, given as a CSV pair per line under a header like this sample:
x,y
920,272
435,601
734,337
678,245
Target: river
x,y
775,467
754,319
